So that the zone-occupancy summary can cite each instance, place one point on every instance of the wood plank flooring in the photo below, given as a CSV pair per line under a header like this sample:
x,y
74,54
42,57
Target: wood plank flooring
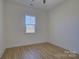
x,y
37,51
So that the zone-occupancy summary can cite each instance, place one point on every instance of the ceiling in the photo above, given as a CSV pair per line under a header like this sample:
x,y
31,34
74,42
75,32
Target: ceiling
x,y
39,3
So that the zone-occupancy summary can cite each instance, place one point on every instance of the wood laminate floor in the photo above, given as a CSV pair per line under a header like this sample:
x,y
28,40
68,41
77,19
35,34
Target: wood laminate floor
x,y
37,51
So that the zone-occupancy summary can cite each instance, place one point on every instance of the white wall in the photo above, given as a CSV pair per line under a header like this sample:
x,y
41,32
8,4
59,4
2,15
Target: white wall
x,y
1,29
64,25
14,23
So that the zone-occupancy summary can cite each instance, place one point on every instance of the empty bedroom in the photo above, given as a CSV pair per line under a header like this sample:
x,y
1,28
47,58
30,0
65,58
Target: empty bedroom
x,y
39,29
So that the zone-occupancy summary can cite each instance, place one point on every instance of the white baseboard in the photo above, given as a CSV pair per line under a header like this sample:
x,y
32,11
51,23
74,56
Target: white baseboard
x,y
64,48
26,44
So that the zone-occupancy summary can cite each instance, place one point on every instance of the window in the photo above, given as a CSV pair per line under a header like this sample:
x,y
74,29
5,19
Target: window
x,y
30,22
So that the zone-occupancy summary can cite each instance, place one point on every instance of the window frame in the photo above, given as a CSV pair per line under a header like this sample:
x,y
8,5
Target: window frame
x,y
30,24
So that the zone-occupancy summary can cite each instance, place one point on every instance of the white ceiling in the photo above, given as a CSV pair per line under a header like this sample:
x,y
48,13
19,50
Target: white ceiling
x,y
39,3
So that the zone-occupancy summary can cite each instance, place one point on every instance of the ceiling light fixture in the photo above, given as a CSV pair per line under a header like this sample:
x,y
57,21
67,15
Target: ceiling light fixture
x,y
31,2
44,1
